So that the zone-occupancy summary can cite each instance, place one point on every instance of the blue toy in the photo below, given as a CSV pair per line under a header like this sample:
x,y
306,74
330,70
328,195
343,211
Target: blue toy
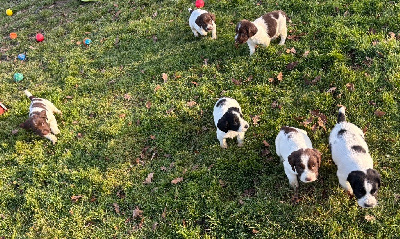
x,y
18,77
21,56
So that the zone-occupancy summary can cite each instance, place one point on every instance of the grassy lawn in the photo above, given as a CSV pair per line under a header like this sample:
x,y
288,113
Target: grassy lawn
x,y
138,101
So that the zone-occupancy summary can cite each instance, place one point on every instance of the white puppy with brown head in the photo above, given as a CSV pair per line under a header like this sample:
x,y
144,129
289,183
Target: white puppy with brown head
x,y
299,158
201,22
262,30
41,119
228,119
355,165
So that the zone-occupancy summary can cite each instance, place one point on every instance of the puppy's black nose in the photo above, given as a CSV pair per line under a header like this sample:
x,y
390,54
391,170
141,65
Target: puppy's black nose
x,y
367,205
308,179
246,126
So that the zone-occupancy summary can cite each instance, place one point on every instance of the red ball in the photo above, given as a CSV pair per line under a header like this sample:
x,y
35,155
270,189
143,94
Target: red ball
x,y
199,3
39,37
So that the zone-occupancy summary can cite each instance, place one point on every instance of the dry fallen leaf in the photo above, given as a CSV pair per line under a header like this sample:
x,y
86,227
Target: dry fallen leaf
x,y
350,86
148,104
236,82
266,144
379,113
165,77
14,131
75,198
191,103
369,218
280,76
291,65
164,213
292,50
308,121
271,80
157,88
127,96
169,111
176,180
306,53
152,137
122,115
148,178
256,119
116,207
332,89
137,213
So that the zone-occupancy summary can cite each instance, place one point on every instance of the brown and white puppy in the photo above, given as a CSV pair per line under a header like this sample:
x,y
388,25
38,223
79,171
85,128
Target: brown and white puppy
x,y
299,158
355,165
201,22
262,30
41,119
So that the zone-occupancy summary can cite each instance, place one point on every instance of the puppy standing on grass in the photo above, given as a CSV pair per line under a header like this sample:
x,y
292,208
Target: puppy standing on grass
x,y
229,121
201,22
262,30
355,166
299,158
41,118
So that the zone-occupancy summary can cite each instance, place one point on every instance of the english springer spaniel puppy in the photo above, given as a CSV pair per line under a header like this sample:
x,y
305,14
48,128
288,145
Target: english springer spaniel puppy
x,y
41,118
262,30
229,121
298,156
355,166
201,22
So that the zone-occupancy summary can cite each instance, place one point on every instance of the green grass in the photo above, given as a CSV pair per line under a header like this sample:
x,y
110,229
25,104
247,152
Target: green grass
x,y
112,138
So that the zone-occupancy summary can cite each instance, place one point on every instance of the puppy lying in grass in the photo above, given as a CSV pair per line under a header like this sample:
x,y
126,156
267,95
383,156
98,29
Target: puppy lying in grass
x,y
41,119
229,121
262,30
298,156
355,166
201,22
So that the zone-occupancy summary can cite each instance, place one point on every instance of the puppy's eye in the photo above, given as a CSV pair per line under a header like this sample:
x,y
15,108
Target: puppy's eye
x,y
373,191
313,166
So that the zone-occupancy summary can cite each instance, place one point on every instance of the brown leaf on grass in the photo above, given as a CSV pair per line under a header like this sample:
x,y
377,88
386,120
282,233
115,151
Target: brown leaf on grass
x,y
148,104
280,76
392,35
265,152
137,213
152,137
379,113
321,123
121,194
350,87
275,105
292,50
157,88
346,14
148,178
332,89
127,96
369,218
191,103
256,119
222,183
306,53
250,78
254,231
266,144
68,97
122,115
291,65
76,198
116,208
308,121
164,213
14,131
165,77
271,80
205,61
177,180
79,135
236,82
365,129
195,83
154,227
155,39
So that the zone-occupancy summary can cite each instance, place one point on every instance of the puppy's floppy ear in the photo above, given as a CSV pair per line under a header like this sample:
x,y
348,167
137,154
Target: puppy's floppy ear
x,y
354,177
373,175
212,16
26,124
43,114
223,124
252,30
293,157
318,156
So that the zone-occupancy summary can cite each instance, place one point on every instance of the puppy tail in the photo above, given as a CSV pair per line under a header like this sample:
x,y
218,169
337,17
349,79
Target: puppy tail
x,y
28,94
341,115
190,10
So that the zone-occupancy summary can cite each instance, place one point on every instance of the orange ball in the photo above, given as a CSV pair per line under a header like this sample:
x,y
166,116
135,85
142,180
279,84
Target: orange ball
x,y
13,35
